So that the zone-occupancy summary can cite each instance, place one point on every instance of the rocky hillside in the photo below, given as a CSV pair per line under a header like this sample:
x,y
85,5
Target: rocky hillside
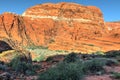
x,y
58,26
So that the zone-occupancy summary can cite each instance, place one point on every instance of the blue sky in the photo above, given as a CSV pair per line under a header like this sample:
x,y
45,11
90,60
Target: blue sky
x,y
110,8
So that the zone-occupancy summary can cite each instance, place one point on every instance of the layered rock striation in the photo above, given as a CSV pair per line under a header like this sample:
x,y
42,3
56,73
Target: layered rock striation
x,y
52,24
69,19
114,29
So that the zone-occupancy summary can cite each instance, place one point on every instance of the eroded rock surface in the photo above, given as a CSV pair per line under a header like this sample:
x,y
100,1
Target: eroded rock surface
x,y
61,26
114,29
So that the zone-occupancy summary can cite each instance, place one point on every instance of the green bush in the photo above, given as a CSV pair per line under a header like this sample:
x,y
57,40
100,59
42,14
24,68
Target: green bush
x,y
99,54
20,65
93,66
116,75
63,71
107,61
113,53
73,68
110,62
3,67
72,57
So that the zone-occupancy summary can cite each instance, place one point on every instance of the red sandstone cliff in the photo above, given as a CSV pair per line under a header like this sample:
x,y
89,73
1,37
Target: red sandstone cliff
x,y
69,19
52,25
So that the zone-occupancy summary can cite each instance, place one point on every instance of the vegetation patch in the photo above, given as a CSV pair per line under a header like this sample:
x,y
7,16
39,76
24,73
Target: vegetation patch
x,y
72,57
116,75
43,52
74,68
32,47
63,71
113,53
93,66
22,65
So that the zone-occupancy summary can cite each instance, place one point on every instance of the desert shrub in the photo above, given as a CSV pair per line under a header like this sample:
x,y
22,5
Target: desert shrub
x,y
110,62
93,66
107,61
118,58
72,57
116,75
99,54
113,53
21,66
90,44
73,68
3,67
32,47
63,71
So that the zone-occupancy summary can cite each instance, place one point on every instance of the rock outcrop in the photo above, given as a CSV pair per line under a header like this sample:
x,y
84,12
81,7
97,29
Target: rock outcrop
x,y
67,19
52,25
114,29
13,30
